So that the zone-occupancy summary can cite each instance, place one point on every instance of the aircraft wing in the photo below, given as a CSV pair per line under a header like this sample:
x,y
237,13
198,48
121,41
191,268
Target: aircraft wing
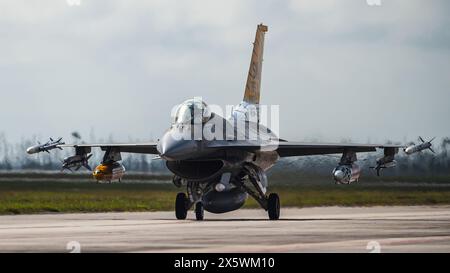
x,y
286,148
140,148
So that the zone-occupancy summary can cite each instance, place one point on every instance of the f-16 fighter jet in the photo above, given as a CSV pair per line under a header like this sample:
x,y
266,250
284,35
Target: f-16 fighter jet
x,y
220,173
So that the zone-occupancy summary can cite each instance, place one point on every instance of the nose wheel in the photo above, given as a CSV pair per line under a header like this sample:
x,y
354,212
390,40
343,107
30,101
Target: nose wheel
x,y
199,211
181,206
273,206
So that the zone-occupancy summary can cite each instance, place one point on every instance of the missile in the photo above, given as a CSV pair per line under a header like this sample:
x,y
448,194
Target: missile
x,y
419,147
46,147
384,163
76,161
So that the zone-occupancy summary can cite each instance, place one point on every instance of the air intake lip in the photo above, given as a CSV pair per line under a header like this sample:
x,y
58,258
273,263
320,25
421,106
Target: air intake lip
x,y
195,169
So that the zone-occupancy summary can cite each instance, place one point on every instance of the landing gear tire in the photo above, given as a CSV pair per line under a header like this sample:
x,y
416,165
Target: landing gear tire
x,y
177,181
199,211
181,206
273,206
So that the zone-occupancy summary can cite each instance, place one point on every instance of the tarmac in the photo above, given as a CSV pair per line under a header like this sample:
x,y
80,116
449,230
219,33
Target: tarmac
x,y
320,229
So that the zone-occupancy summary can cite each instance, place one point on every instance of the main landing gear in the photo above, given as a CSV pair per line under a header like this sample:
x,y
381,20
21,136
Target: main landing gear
x,y
199,211
256,188
273,206
258,179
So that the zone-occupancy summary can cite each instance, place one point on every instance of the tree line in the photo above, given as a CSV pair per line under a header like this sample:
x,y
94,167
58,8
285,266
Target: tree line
x,y
13,157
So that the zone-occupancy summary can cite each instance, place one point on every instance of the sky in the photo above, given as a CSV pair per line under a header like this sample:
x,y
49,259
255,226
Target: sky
x,y
339,70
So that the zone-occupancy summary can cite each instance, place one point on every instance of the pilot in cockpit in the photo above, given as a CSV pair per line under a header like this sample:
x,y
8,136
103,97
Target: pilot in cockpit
x,y
192,111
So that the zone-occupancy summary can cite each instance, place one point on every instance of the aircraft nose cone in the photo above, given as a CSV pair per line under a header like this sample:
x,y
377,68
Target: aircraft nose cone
x,y
176,149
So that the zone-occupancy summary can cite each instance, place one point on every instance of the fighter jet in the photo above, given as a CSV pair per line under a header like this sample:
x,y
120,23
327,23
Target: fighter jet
x,y
419,147
220,173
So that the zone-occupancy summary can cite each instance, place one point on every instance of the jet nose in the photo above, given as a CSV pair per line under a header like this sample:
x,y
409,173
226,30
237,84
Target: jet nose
x,y
177,149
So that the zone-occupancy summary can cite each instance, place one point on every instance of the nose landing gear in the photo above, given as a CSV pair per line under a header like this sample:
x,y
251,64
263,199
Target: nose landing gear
x,y
182,207
184,202
199,211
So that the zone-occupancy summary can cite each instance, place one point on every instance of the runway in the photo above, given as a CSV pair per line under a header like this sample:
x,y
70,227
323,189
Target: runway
x,y
323,229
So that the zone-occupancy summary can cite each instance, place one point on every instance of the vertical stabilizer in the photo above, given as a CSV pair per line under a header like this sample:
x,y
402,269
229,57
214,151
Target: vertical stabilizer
x,y
252,88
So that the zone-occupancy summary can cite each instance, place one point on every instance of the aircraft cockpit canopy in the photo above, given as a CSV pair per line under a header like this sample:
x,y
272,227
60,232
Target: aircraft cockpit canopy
x,y
192,111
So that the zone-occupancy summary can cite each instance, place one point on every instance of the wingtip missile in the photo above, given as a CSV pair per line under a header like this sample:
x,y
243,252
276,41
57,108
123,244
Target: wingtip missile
x,y
46,147
419,147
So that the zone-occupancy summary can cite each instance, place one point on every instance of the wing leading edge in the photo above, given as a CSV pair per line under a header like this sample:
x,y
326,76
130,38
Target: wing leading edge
x,y
139,148
286,149
283,148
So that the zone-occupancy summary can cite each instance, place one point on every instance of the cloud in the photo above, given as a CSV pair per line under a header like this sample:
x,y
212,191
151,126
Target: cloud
x,y
338,69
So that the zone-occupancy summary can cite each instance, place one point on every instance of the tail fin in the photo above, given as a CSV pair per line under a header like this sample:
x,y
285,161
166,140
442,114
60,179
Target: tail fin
x,y
252,88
